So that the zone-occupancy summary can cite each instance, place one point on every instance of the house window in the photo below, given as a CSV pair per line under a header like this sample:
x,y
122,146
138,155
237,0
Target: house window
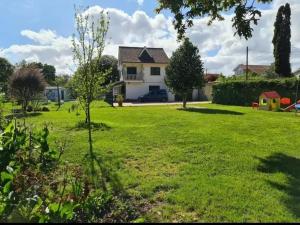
x,y
131,70
155,71
154,88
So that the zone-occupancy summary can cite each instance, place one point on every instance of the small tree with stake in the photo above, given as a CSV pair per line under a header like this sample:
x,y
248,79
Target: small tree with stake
x,y
88,47
185,70
26,84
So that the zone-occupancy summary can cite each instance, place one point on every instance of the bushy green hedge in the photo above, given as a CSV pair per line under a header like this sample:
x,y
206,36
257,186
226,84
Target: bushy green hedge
x,y
243,93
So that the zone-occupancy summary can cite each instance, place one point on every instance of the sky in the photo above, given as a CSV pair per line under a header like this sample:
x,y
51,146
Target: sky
x,y
41,30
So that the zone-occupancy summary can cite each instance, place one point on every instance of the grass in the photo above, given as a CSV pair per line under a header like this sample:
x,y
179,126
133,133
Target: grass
x,y
209,163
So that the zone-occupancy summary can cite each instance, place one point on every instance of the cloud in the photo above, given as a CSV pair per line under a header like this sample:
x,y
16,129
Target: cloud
x,y
140,29
140,2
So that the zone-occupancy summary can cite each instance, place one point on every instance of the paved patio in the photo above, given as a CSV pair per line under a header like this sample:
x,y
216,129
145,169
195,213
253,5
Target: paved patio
x,y
128,104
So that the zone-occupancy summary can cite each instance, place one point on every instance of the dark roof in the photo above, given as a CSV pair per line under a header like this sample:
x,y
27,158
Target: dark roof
x,y
142,55
271,94
258,69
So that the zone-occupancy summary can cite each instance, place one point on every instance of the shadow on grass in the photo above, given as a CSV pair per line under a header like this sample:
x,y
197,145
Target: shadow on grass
x,y
290,166
103,171
21,115
211,111
81,125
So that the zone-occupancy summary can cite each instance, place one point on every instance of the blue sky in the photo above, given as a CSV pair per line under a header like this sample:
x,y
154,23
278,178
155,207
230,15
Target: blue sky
x,y
58,15
40,30
18,15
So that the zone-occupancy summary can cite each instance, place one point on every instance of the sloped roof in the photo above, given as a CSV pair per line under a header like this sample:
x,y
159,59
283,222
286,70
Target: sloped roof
x,y
142,55
258,69
271,94
211,77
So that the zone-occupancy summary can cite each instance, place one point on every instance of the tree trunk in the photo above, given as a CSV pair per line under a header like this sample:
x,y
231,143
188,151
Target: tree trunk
x,y
184,101
88,118
58,97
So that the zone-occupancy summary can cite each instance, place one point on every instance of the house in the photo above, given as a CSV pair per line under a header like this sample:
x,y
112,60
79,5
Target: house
x,y
297,73
141,70
269,101
51,93
257,69
206,92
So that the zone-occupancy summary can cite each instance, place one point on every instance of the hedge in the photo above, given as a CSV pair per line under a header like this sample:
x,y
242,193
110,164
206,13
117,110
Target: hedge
x,y
243,93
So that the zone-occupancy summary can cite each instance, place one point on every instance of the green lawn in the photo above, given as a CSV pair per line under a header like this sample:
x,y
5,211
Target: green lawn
x,y
220,163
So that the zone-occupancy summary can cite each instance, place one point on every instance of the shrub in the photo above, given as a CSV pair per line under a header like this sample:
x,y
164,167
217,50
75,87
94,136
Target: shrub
x,y
45,109
26,84
243,93
29,108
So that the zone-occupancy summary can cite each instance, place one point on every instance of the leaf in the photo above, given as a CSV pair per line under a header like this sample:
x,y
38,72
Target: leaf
x,y
7,187
6,176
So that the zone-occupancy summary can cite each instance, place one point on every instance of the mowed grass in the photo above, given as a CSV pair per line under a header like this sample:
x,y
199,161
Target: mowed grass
x,y
210,163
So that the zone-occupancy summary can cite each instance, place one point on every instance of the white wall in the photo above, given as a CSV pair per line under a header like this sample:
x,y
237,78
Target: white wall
x,y
136,89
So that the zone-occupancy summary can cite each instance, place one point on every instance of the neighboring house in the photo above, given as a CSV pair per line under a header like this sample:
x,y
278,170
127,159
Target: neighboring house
x,y
141,70
51,94
257,69
210,80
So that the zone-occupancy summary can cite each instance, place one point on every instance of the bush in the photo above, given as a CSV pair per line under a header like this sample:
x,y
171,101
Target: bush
x,y
243,93
45,109
29,108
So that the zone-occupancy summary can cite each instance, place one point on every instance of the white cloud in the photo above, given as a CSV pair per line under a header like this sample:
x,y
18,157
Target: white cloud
x,y
140,2
139,29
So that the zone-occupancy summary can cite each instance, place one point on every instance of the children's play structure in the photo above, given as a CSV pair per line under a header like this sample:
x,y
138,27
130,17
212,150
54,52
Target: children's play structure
x,y
272,101
269,101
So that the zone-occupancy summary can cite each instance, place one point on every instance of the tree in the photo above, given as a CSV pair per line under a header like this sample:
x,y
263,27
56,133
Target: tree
x,y
60,81
88,47
48,71
109,64
185,70
6,70
186,10
25,84
282,41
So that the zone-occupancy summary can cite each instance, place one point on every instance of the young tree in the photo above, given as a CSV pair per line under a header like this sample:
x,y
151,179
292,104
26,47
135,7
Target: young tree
x,y
186,10
185,70
25,84
6,70
282,41
88,47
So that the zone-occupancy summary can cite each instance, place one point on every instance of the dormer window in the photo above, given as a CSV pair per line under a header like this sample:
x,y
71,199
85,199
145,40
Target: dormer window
x,y
145,55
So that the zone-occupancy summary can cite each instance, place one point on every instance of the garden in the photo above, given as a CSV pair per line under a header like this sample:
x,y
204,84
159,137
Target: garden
x,y
207,163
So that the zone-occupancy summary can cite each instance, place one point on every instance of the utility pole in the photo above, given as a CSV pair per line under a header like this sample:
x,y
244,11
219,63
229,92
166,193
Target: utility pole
x,y
247,53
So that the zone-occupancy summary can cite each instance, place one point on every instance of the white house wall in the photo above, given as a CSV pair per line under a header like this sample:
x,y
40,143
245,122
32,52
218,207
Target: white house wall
x,y
136,89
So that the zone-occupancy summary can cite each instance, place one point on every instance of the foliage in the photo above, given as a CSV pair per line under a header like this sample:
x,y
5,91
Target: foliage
x,y
270,73
282,41
120,99
244,93
185,70
26,84
48,71
109,64
2,100
6,70
36,186
185,11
